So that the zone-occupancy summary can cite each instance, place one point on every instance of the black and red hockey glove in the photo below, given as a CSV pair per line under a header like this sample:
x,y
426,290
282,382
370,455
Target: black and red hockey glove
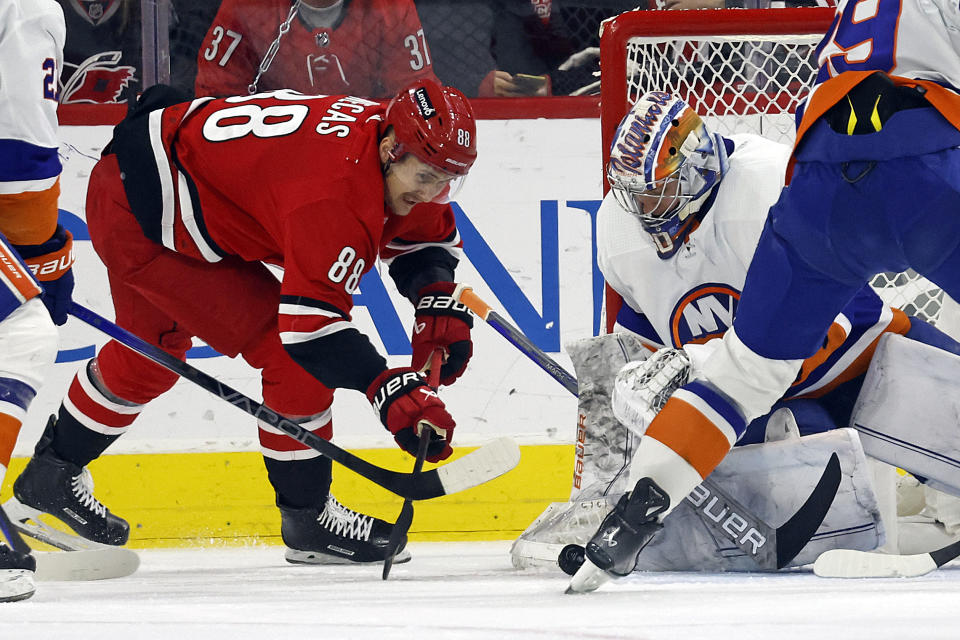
x,y
441,322
402,399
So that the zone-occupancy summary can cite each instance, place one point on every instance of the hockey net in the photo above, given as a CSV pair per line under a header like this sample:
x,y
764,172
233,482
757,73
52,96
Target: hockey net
x,y
742,71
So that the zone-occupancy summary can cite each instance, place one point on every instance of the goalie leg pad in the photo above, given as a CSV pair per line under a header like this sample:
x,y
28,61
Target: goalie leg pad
x,y
771,480
907,410
768,479
604,447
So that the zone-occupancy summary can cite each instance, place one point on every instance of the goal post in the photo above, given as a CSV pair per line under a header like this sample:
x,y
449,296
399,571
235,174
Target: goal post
x,y
742,71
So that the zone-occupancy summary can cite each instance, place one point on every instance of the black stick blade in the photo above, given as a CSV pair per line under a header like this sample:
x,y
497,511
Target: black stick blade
x,y
796,532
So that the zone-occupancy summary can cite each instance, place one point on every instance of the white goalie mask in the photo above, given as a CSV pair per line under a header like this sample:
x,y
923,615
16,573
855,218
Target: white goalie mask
x,y
664,162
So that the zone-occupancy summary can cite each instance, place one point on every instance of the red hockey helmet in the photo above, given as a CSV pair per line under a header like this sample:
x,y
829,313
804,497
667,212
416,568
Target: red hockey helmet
x,y
436,124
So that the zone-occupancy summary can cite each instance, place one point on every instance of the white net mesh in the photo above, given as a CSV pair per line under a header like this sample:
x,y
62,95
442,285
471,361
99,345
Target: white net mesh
x,y
754,83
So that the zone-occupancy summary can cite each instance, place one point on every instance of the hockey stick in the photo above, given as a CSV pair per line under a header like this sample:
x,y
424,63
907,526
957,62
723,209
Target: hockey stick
x,y
848,563
83,560
405,519
486,463
465,295
790,538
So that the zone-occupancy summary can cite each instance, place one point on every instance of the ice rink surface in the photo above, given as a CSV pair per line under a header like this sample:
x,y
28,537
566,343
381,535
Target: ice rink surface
x,y
468,590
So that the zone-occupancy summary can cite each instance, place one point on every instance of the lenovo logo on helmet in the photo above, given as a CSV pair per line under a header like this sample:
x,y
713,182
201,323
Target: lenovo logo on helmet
x,y
426,107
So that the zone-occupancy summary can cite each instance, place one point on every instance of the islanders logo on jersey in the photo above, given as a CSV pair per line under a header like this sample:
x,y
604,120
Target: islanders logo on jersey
x,y
703,313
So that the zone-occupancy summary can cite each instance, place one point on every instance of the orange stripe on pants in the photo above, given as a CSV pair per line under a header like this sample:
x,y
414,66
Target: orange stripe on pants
x,y
691,435
9,429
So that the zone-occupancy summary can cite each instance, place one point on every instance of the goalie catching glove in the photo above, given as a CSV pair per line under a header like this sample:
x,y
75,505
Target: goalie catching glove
x,y
642,387
403,399
442,323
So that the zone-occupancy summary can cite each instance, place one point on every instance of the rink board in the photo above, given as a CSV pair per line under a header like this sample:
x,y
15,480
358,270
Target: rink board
x,y
195,499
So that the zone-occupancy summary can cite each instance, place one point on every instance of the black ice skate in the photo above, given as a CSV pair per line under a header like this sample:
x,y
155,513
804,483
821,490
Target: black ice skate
x,y
51,485
626,530
335,535
16,574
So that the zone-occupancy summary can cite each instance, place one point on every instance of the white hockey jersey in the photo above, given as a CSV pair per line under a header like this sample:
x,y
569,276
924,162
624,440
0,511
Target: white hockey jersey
x,y
32,35
692,297
914,41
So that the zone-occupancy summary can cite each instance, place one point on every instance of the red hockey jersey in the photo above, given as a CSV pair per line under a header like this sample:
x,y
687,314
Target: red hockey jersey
x,y
376,48
290,180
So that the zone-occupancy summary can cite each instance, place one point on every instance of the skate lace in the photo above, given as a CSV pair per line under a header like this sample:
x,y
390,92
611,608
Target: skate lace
x,y
82,486
345,522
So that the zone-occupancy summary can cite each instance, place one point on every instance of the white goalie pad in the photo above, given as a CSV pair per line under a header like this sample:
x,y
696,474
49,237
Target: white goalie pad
x,y
771,480
907,410
604,447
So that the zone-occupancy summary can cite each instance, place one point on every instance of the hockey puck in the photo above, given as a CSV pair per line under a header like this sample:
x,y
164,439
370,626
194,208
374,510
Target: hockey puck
x,y
571,558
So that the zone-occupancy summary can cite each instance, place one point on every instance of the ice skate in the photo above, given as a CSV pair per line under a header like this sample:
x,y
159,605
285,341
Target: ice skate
x,y
335,535
51,485
612,551
16,574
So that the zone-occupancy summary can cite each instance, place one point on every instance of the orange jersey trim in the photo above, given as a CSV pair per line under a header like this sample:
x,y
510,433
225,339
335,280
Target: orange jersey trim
x,y
833,90
899,324
9,430
690,435
29,217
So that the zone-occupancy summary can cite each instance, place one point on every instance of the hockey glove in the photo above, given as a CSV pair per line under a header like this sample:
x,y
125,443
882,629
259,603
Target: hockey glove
x,y
51,263
402,399
442,323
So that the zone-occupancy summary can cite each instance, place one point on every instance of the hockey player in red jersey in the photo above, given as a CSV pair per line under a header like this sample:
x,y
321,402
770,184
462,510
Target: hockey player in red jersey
x,y
321,186
367,48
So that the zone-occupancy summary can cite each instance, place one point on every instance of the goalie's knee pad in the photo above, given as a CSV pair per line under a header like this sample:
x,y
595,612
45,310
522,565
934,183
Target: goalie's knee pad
x,y
907,408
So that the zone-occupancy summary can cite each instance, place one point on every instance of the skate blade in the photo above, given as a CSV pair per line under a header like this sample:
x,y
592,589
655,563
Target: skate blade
x,y
295,556
27,520
589,577
16,584
82,559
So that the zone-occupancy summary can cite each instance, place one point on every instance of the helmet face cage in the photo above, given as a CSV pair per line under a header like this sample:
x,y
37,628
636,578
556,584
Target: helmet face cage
x,y
436,124
662,160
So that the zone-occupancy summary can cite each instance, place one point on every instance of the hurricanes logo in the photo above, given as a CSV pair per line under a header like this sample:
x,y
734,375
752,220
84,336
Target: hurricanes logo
x,y
703,313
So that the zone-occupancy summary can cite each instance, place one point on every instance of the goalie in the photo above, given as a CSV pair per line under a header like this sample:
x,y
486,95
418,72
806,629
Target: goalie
x,y
675,243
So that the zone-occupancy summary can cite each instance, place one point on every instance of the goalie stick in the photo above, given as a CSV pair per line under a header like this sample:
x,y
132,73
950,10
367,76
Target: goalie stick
x,y
405,519
81,559
848,563
790,538
486,463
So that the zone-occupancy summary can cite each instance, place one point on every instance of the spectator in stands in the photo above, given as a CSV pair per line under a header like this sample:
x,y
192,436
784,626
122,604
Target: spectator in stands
x,y
491,48
366,48
188,28
102,51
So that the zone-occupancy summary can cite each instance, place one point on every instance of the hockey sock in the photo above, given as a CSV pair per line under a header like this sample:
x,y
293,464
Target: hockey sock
x,y
300,483
89,420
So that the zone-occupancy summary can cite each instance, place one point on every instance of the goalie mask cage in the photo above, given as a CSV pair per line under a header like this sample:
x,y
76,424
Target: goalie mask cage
x,y
743,71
